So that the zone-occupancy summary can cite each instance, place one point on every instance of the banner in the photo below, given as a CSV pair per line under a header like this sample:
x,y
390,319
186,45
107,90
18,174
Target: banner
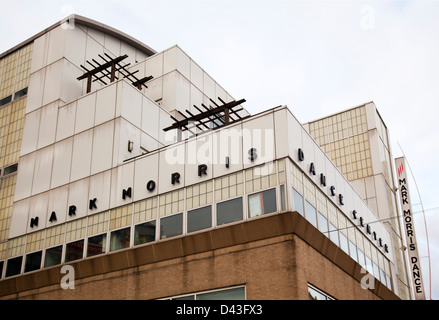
x,y
409,229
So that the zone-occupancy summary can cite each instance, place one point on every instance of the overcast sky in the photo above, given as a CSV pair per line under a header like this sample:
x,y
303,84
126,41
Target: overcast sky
x,y
317,57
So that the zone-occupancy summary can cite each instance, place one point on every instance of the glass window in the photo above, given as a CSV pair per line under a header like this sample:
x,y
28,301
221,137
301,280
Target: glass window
x,y
191,297
323,224
262,203
74,251
97,245
144,233
53,257
199,219
383,276
388,280
353,251
344,243
369,266
298,202
171,226
333,234
33,261
310,214
315,295
1,268
13,266
361,259
376,271
230,294
229,211
282,198
120,239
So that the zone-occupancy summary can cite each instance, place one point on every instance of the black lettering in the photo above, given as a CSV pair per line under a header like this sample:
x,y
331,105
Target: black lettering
x,y
227,162
340,199
402,181
412,247
34,222
301,155
150,186
380,242
361,221
175,178
386,248
312,169
126,193
333,191
368,229
252,154
52,217
202,169
354,214
72,211
323,179
92,204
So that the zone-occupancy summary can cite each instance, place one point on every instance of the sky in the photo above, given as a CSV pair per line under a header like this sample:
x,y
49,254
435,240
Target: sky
x,y
316,57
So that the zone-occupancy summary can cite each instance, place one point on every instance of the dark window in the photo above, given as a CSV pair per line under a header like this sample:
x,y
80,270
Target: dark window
x,y
13,267
5,100
33,261
120,239
1,268
20,93
53,257
144,233
74,251
10,169
229,211
96,245
230,294
171,226
199,219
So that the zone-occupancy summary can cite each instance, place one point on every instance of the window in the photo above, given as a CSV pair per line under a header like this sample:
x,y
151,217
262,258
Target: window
x,y
74,251
317,294
120,239
353,251
199,219
323,224
344,243
229,211
231,294
298,202
282,198
10,169
53,257
376,271
171,226
13,266
33,261
222,294
310,214
1,268
144,233
262,203
361,259
96,245
333,234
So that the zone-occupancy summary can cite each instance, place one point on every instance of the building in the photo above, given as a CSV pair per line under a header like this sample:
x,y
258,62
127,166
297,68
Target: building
x,y
357,141
138,175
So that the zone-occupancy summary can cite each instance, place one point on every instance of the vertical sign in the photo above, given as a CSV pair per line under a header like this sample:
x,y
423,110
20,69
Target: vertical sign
x,y
409,229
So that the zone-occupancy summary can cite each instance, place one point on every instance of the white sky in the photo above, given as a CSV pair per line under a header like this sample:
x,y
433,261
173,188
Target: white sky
x,y
317,57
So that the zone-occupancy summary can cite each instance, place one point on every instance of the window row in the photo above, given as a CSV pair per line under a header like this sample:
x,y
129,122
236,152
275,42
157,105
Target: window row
x,y
221,294
339,236
202,218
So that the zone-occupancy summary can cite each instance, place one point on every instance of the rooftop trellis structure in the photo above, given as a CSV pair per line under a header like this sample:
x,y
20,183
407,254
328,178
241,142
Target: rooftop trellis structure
x,y
208,118
108,70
